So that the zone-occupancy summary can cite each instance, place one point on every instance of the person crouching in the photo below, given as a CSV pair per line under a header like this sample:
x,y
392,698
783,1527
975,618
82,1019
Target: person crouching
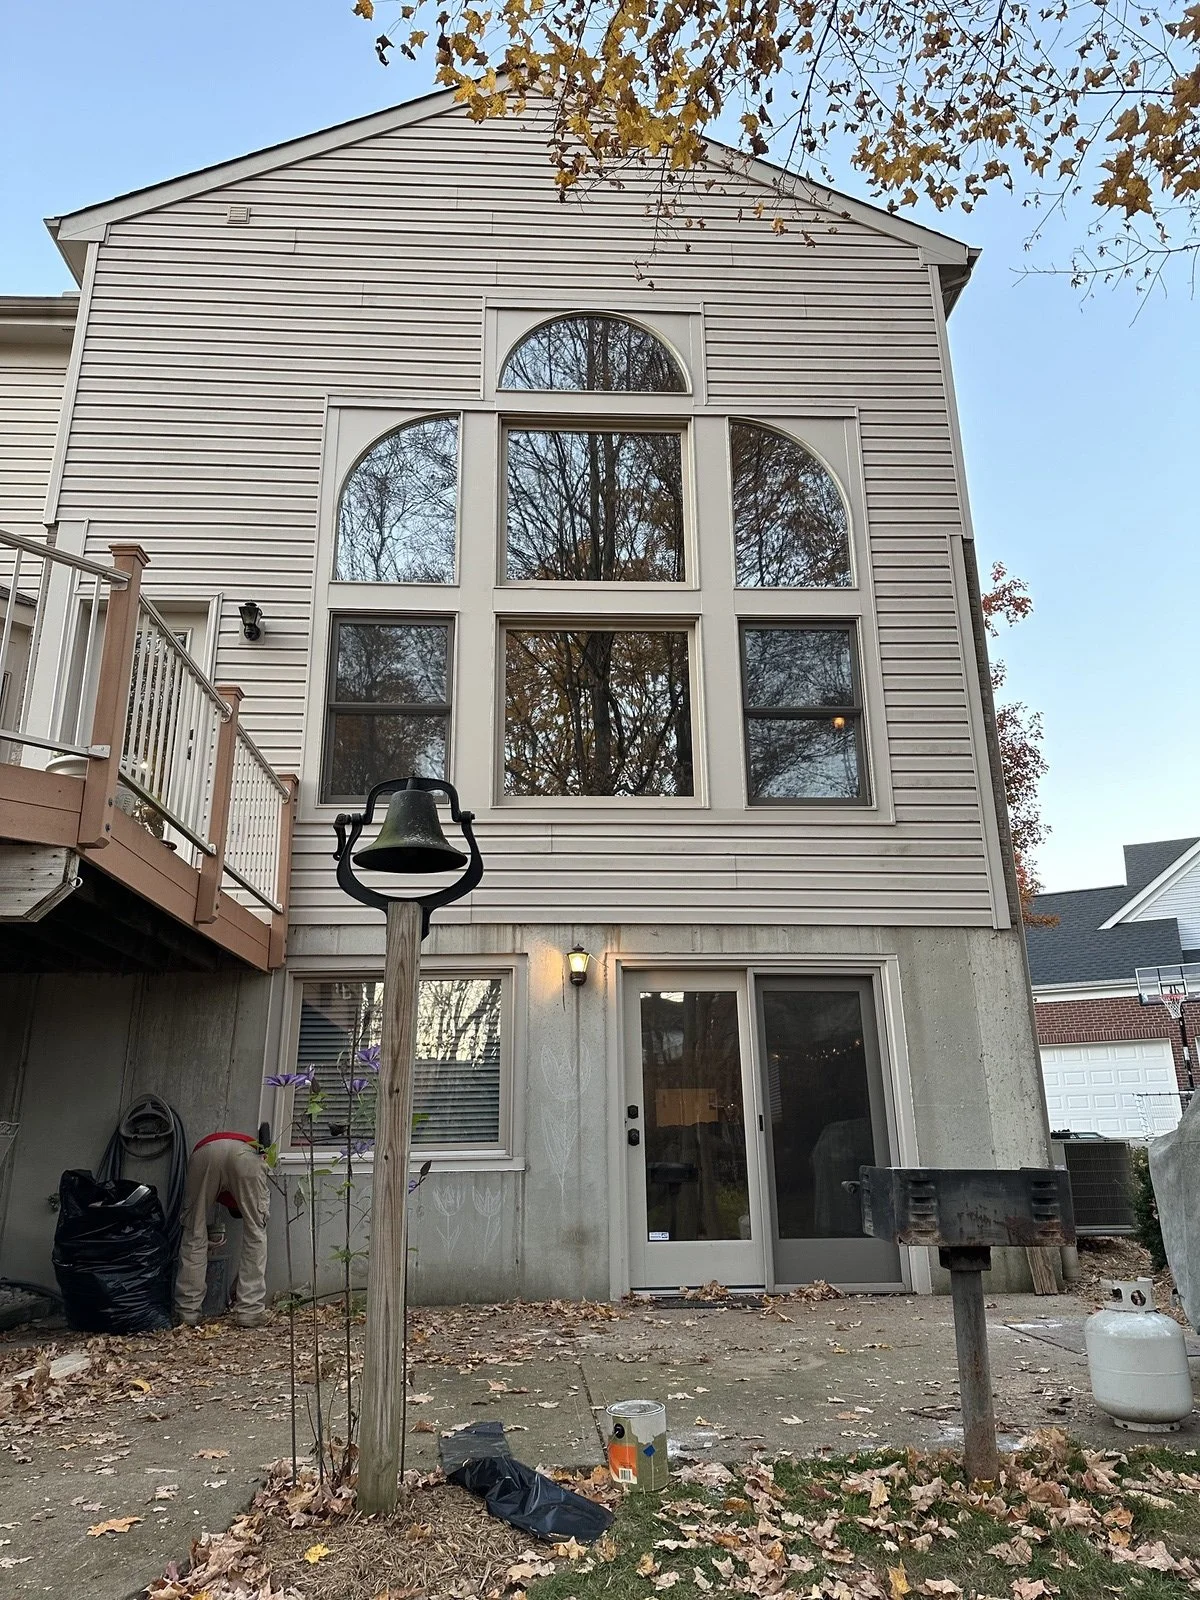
x,y
226,1169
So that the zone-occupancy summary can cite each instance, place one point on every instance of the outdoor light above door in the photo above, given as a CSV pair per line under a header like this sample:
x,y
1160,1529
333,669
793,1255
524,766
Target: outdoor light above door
x,y
577,960
250,613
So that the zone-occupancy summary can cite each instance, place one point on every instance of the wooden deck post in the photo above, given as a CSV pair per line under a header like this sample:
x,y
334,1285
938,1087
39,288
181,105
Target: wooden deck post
x,y
283,872
212,868
383,1375
112,698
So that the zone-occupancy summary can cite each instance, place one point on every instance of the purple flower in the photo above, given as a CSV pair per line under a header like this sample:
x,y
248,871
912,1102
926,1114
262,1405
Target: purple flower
x,y
291,1080
357,1085
369,1057
360,1147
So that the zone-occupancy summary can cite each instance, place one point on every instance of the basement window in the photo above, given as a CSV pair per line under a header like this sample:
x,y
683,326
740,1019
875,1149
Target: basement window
x,y
462,1069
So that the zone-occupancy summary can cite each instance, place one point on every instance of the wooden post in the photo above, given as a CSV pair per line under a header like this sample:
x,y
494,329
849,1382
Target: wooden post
x,y
212,868
112,698
383,1376
283,873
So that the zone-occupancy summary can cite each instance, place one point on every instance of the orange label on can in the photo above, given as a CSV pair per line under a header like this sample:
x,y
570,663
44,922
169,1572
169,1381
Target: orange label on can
x,y
622,1461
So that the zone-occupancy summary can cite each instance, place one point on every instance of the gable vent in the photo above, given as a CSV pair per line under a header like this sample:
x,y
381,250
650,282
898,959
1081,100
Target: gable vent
x,y
238,215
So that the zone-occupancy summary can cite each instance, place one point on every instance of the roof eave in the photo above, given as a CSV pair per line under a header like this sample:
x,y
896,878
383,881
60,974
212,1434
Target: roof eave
x,y
73,231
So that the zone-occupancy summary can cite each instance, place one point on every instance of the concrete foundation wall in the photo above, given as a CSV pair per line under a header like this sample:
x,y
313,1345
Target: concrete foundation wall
x,y
77,1050
955,1031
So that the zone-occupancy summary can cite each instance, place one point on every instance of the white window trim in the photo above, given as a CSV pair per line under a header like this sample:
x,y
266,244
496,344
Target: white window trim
x,y
507,320
511,969
707,602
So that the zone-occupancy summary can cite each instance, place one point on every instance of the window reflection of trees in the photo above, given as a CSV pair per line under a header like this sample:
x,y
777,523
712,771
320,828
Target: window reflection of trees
x,y
456,1091
803,720
389,710
397,517
594,505
596,712
790,528
595,352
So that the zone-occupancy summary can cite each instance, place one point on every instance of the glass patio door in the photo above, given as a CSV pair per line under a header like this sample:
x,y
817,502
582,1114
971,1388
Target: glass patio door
x,y
826,1115
691,1132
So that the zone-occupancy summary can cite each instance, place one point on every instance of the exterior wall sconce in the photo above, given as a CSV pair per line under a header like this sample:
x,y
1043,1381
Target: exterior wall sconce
x,y
251,615
577,960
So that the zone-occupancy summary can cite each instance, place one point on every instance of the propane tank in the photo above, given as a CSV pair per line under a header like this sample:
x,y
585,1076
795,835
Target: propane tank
x,y
1137,1361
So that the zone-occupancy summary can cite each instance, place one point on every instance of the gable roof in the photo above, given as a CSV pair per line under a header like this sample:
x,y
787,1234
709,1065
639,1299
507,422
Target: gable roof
x,y
1088,943
75,229
1172,869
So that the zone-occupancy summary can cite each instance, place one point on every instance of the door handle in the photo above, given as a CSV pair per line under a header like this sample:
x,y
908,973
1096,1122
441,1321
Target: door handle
x,y
633,1136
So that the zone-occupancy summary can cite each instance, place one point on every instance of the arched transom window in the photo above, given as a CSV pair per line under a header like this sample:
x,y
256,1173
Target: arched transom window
x,y
398,511
593,353
790,528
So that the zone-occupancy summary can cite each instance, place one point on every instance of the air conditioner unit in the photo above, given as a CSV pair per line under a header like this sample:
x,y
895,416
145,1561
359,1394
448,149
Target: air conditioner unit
x,y
1101,1176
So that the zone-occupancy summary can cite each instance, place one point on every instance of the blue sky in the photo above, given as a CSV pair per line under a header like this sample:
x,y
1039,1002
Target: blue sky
x,y
1079,419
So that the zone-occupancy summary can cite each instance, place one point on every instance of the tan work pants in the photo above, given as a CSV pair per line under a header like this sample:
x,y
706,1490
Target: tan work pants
x,y
233,1166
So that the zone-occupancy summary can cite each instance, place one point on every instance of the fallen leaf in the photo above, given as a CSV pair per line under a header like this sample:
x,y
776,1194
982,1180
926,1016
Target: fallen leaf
x,y
113,1525
547,1405
166,1491
422,1426
521,1570
647,1566
210,1455
792,1422
879,1494
572,1550
1017,1552
702,1583
140,1383
316,1552
1031,1588
898,1582
419,1399
668,1580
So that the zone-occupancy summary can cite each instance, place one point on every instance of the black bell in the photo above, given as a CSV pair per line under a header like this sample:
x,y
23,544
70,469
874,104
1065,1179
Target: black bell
x,y
411,839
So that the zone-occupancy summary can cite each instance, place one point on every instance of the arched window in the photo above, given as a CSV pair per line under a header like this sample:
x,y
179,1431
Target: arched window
x,y
397,517
790,528
594,353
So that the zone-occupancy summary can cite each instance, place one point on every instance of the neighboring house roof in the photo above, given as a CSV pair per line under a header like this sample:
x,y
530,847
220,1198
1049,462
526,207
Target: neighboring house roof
x,y
38,318
71,232
1085,945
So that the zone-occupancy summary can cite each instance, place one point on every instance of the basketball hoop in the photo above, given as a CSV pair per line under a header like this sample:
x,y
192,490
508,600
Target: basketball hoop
x,y
1174,1000
1172,987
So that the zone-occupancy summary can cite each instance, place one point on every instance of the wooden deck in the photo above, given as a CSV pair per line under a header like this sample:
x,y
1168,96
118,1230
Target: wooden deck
x,y
44,808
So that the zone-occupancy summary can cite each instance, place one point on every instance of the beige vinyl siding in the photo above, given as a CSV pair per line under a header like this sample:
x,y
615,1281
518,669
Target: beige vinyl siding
x,y
31,390
198,426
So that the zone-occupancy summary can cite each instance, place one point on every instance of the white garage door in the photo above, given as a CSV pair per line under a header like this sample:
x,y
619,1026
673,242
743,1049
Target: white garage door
x,y
1125,1090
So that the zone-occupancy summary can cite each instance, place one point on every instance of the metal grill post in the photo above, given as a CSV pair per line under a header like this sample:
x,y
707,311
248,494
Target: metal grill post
x,y
981,1456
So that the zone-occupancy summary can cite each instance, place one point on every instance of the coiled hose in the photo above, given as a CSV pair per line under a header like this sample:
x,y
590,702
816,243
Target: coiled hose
x,y
149,1129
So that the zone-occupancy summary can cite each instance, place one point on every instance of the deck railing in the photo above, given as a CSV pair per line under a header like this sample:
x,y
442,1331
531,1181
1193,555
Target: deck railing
x,y
90,669
50,708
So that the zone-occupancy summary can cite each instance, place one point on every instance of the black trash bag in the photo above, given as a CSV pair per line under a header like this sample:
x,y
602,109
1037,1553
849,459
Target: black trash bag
x,y
113,1260
517,1494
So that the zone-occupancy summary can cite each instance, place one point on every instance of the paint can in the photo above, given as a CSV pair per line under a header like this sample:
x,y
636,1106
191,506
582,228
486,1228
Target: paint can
x,y
637,1444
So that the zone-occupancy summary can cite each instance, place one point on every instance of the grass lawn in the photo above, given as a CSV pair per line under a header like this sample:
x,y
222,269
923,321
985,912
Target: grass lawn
x,y
1061,1521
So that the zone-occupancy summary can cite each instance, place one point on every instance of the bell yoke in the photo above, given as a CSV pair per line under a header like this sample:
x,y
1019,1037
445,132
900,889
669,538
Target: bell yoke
x,y
411,841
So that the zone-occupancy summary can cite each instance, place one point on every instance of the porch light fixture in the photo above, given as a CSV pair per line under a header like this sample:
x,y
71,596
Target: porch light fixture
x,y
251,615
577,960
